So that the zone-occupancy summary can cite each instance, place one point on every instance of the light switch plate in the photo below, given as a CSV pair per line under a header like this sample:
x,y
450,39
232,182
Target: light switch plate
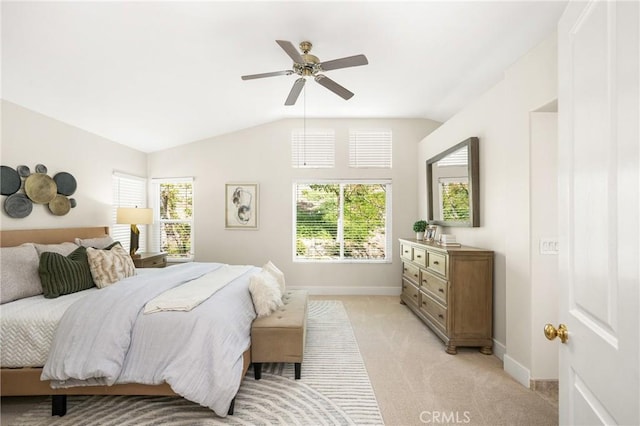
x,y
549,246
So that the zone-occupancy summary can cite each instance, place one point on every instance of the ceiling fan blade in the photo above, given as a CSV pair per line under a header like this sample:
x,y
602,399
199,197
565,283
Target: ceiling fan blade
x,y
351,61
334,87
295,91
266,74
291,50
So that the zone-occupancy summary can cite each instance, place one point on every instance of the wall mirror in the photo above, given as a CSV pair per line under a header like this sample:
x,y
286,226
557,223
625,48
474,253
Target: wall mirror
x,y
453,190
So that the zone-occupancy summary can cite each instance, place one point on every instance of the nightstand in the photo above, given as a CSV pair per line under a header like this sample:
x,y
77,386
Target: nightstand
x,y
150,260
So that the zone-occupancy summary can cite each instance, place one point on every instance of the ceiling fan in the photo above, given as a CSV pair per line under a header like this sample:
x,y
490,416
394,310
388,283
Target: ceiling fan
x,y
307,65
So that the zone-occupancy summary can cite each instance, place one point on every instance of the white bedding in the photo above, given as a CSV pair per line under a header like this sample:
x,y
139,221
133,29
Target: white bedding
x,y
27,327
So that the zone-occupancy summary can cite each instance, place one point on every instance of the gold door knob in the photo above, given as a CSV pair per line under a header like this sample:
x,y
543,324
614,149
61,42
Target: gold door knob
x,y
551,332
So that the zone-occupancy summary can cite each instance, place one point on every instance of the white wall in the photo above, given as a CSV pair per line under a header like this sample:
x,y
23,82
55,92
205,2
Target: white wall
x,y
544,225
263,155
500,119
29,138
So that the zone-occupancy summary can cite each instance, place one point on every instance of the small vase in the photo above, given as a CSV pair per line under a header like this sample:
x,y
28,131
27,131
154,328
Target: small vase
x,y
419,236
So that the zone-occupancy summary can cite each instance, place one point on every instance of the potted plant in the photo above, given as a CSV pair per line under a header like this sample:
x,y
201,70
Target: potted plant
x,y
419,227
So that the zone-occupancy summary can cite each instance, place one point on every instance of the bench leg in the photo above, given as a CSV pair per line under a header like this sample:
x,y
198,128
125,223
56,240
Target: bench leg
x,y
233,403
298,369
257,370
58,405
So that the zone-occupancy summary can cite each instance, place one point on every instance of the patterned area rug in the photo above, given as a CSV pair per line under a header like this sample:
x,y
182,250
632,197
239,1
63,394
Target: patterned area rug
x,y
334,390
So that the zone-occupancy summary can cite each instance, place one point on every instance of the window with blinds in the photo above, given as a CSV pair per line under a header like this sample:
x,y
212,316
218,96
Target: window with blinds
x,y
454,196
370,148
128,191
342,221
174,217
313,148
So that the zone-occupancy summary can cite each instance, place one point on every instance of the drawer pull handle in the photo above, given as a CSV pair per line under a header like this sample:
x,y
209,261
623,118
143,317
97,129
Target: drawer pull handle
x,y
435,262
418,256
415,275
441,290
415,295
440,316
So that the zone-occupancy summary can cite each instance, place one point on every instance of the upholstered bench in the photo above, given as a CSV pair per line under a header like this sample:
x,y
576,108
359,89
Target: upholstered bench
x,y
280,336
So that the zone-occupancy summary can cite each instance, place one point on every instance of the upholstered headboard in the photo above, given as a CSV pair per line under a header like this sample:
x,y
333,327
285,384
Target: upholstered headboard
x,y
49,236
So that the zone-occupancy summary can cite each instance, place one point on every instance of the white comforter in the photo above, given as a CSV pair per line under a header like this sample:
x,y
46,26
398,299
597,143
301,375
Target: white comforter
x,y
105,338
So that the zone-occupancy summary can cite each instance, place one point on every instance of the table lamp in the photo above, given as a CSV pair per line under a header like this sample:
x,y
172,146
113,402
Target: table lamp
x,y
134,216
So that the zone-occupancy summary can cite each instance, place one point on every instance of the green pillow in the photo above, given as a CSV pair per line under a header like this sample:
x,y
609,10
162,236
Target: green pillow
x,y
64,274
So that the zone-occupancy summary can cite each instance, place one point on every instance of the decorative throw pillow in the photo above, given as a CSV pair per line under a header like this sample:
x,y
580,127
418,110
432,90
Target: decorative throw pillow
x,y
64,274
110,266
265,293
64,249
277,274
98,242
19,273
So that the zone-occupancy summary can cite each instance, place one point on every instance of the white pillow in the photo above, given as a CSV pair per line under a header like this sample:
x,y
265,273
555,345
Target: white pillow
x,y
64,249
19,273
98,242
265,293
110,266
277,274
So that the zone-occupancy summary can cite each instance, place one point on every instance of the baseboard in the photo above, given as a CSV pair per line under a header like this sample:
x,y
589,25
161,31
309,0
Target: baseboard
x,y
350,291
499,349
516,370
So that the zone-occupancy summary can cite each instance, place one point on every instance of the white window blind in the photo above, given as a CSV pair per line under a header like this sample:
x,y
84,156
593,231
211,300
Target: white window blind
x,y
342,221
313,148
173,210
128,191
370,148
458,158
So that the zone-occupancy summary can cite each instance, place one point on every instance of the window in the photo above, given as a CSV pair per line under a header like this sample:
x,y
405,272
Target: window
x,y
454,193
174,217
313,148
342,221
370,148
128,191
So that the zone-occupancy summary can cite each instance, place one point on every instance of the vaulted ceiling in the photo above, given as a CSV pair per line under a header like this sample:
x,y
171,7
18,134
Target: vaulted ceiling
x,y
153,75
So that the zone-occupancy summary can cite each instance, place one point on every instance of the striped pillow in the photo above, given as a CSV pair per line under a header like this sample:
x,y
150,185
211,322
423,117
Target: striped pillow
x,y
64,274
110,265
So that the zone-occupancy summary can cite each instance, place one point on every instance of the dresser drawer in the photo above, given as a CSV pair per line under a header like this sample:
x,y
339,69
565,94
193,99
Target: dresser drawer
x,y
420,256
434,310
411,272
437,262
436,286
407,251
410,292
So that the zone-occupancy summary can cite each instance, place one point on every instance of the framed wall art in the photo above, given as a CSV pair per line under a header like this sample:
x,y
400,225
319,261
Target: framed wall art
x,y
241,206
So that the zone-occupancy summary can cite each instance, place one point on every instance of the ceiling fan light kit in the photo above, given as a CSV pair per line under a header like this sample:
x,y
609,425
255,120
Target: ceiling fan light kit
x,y
308,65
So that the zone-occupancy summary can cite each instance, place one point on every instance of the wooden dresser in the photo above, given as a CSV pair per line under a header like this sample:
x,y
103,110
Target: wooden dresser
x,y
451,290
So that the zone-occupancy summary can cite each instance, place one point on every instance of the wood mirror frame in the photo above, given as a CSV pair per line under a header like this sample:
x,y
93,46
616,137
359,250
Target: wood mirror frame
x,y
473,179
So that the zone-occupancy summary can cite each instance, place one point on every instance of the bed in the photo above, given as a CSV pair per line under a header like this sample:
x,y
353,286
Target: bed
x,y
26,380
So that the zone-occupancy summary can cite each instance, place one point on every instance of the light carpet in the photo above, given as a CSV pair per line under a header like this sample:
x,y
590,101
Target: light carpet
x,y
334,390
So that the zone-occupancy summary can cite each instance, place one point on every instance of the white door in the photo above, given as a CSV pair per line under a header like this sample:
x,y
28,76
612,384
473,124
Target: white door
x,y
599,197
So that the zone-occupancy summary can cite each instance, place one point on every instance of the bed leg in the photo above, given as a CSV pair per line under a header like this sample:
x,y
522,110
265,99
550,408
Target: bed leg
x,y
233,403
58,405
298,369
257,370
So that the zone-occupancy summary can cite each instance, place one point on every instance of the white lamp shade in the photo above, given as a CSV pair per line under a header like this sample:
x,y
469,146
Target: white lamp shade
x,y
134,216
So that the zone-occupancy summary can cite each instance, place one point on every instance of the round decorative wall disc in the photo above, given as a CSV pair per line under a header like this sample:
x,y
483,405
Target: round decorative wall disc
x,y
18,206
60,205
40,188
24,171
73,203
66,183
10,181
41,168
